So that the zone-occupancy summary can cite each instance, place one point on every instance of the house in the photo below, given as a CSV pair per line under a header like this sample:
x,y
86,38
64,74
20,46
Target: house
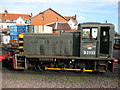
x,y
72,21
51,17
7,19
46,17
20,20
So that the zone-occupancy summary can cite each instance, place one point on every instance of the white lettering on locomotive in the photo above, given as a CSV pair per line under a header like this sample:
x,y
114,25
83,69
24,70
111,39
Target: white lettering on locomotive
x,y
89,52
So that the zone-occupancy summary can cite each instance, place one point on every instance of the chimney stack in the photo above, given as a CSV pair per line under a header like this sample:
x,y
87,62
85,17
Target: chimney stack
x,y
6,12
75,16
31,14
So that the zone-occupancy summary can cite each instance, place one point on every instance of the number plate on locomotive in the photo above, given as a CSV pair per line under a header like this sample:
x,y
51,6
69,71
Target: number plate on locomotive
x,y
89,52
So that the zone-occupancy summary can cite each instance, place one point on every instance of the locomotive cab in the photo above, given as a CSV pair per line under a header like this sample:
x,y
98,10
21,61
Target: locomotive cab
x,y
96,40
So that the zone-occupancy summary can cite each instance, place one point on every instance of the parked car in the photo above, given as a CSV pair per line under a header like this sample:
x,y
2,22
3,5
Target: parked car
x,y
117,43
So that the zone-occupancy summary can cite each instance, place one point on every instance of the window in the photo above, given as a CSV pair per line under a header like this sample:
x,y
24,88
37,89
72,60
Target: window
x,y
90,33
56,18
27,21
20,22
0,20
86,33
7,20
94,32
14,20
42,18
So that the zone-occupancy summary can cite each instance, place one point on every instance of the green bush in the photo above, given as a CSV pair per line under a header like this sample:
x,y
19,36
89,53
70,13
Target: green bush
x,y
117,35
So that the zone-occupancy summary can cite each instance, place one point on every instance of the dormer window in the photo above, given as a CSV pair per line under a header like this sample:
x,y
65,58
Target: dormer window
x,y
27,21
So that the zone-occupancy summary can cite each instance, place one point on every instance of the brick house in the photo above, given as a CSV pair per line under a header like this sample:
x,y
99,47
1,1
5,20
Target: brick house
x,y
49,16
46,17
7,19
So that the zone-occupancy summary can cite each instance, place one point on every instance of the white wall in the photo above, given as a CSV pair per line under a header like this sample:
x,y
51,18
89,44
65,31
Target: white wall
x,y
20,20
42,29
7,24
47,29
72,24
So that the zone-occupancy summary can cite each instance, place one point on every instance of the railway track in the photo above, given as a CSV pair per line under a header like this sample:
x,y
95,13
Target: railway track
x,y
108,74
116,52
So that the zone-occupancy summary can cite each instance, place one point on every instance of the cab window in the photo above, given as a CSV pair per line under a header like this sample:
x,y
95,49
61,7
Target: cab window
x,y
86,33
90,33
94,33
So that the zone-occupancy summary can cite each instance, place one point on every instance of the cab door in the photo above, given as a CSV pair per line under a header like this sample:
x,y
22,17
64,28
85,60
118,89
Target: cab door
x,y
104,41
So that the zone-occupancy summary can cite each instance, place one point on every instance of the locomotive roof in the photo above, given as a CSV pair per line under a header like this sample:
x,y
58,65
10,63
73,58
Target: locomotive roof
x,y
96,23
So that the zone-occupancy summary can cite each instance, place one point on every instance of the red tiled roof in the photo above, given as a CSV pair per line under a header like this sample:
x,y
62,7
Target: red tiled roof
x,y
5,16
71,17
52,11
46,17
53,25
60,26
68,17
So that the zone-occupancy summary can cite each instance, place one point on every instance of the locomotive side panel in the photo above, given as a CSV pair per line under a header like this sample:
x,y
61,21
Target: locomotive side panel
x,y
29,47
65,44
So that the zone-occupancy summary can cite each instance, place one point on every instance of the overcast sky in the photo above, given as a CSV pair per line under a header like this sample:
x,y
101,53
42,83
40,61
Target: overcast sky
x,y
86,10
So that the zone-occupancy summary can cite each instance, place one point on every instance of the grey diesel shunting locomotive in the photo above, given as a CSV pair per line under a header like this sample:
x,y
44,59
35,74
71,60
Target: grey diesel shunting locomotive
x,y
88,50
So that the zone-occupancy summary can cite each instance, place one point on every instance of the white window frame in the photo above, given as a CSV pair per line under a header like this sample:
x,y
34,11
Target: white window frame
x,y
7,20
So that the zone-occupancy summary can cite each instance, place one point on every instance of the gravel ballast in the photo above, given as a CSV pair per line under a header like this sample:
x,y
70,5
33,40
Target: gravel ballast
x,y
50,79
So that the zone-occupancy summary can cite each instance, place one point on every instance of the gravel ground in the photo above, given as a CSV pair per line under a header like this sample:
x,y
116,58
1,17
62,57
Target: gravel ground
x,y
62,79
